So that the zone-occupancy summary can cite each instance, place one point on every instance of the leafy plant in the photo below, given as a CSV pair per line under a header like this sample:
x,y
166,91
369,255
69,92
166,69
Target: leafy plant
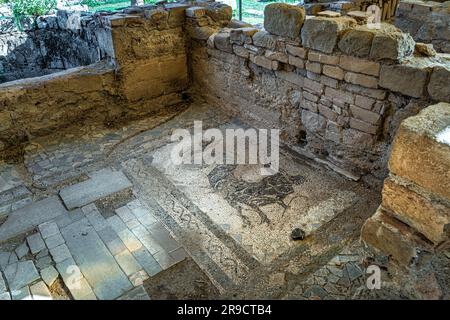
x,y
27,8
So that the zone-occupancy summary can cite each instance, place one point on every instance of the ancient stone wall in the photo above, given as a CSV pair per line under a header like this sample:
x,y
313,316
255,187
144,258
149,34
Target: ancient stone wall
x,y
426,21
337,90
413,220
50,44
146,70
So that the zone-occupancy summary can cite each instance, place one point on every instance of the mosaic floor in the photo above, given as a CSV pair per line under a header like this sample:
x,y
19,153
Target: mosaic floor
x,y
112,199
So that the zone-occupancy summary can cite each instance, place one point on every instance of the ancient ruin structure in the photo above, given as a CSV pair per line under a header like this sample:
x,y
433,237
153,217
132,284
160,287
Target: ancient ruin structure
x,y
364,120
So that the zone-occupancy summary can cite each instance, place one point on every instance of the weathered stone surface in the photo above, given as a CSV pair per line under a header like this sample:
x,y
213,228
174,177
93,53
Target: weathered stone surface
x,y
393,238
421,150
390,43
322,34
89,252
30,217
424,49
137,293
242,35
222,42
220,13
416,207
101,184
49,275
36,243
406,79
39,291
20,274
313,122
439,85
357,42
359,65
284,19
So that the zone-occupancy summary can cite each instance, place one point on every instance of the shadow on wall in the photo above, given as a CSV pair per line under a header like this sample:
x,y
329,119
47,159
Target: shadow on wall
x,y
51,44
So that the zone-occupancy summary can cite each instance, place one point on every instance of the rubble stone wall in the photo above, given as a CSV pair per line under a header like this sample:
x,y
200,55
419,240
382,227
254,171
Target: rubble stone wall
x,y
146,69
413,220
50,44
426,21
337,90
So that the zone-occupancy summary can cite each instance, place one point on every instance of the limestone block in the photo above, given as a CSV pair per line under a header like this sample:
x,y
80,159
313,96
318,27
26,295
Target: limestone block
x,y
393,238
195,12
266,40
220,13
200,33
222,42
439,85
284,19
357,138
361,79
357,42
242,35
296,51
421,150
359,65
407,79
322,34
419,209
390,43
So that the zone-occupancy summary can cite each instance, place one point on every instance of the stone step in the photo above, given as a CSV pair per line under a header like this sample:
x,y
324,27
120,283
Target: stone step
x,y
29,217
101,184
95,261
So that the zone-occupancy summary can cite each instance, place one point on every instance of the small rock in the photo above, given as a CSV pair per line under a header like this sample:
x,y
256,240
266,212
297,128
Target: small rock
x,y
298,234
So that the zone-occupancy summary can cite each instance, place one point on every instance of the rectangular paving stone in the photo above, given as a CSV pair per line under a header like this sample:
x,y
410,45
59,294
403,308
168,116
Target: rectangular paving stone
x,y
21,294
129,239
60,253
137,293
39,291
22,250
133,223
44,262
147,240
29,217
146,260
164,259
116,224
20,274
101,184
81,290
49,275
5,296
48,229
125,214
97,220
69,271
116,246
54,241
90,253
178,254
127,262
163,237
68,218
36,243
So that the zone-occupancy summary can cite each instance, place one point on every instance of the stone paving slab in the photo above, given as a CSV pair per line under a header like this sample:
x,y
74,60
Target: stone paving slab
x,y
29,217
127,262
102,183
21,274
36,243
2,284
137,293
5,296
39,291
147,261
21,294
22,250
49,275
95,261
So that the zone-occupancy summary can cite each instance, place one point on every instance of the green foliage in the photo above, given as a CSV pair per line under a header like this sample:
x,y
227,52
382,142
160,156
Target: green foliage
x,y
23,8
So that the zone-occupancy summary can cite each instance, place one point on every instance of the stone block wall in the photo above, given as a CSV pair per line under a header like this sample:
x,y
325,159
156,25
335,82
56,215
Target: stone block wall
x,y
413,220
145,69
336,89
426,21
51,44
